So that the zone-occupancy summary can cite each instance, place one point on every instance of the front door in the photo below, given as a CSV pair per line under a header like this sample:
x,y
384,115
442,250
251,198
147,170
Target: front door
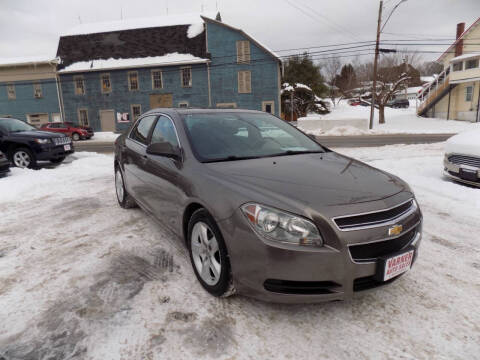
x,y
107,120
161,101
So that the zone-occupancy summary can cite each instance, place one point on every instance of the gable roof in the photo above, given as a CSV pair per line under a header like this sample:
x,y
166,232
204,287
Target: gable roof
x,y
134,38
465,33
256,42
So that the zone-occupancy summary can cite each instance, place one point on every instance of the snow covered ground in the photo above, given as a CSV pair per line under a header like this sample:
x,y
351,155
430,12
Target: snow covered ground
x,y
82,278
103,136
397,121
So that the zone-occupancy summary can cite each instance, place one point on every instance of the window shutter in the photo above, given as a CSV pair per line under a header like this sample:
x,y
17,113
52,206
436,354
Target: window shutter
x,y
241,82
239,52
246,51
248,81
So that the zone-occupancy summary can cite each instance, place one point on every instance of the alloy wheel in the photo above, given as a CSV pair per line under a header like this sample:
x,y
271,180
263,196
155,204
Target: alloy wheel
x,y
119,186
21,159
206,253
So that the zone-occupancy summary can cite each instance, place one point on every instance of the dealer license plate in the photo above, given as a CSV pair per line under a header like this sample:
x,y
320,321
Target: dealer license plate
x,y
67,147
397,265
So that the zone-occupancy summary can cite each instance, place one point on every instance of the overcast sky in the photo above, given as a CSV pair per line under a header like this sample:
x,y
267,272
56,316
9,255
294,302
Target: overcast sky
x,y
33,27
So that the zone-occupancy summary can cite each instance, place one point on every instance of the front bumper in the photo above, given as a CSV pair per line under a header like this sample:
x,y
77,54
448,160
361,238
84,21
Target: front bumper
x,y
452,171
4,166
292,274
52,152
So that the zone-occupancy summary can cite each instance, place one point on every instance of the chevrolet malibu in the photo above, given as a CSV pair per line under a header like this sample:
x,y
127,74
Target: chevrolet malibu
x,y
263,209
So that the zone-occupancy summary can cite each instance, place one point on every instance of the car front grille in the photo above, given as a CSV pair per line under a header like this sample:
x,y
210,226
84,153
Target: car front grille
x,y
369,282
465,160
61,140
376,218
300,287
372,251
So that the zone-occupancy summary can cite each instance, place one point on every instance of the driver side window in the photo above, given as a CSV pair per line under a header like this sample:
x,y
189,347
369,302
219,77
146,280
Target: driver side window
x,y
142,129
165,132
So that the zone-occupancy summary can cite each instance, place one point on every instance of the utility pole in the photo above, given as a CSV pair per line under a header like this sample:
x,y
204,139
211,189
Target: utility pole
x,y
377,45
291,105
406,72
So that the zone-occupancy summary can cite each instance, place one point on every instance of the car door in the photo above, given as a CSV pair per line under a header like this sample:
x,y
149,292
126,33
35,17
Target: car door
x,y
165,181
135,158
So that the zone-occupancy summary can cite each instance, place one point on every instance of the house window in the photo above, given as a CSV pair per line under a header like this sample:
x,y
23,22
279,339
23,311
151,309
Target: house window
x,y
136,111
268,106
244,82
183,104
469,93
186,76
83,117
157,79
227,105
133,81
37,90
79,85
243,52
458,66
106,84
11,92
471,64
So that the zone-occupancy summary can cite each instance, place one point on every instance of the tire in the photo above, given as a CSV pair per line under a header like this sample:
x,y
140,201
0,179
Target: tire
x,y
210,255
23,158
57,161
75,136
124,199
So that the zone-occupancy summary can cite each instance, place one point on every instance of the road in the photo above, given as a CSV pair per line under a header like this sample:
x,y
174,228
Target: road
x,y
330,141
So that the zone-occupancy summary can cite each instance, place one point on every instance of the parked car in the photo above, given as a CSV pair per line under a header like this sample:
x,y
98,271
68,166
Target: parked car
x,y
69,129
265,210
4,164
462,157
25,145
399,103
89,129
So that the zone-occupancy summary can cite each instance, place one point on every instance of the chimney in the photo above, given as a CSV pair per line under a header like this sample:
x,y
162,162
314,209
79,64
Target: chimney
x,y
459,45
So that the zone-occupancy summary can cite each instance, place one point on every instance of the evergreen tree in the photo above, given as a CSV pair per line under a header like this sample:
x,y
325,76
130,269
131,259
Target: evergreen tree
x,y
302,69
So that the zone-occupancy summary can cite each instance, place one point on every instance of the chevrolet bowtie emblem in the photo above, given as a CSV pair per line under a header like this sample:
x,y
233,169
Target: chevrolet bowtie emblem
x,y
395,230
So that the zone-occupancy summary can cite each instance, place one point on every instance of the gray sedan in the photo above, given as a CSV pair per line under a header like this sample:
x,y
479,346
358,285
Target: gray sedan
x,y
265,210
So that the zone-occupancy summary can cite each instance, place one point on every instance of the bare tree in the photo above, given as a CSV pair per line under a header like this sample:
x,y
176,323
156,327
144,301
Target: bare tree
x,y
331,68
390,81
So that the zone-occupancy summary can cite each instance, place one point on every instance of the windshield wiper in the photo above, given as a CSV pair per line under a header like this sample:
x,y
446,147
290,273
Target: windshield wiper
x,y
297,152
232,158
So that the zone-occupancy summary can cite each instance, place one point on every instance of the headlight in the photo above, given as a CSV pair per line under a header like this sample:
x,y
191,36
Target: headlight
x,y
42,141
280,226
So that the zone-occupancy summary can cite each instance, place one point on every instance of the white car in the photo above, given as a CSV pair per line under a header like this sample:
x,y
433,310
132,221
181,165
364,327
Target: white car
x,y
462,157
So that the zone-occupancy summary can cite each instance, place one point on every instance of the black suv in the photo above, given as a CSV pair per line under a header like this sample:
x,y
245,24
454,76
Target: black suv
x,y
25,145
399,103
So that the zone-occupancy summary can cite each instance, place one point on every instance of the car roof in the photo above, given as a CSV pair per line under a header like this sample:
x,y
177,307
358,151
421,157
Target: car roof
x,y
182,111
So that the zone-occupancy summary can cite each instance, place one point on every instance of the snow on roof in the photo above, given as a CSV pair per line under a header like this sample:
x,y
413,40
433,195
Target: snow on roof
x,y
165,60
465,56
27,60
137,23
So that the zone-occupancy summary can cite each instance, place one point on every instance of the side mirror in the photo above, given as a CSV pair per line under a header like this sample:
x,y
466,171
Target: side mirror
x,y
164,149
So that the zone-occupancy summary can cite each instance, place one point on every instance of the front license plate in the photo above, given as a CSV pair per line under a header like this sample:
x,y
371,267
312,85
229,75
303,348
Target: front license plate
x,y
397,265
67,147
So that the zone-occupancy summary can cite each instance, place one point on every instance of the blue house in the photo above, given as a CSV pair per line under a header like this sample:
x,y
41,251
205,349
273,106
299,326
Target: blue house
x,y
110,73
29,90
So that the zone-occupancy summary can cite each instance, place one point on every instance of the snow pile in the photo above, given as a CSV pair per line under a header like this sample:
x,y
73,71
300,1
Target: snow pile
x,y
165,60
467,143
195,30
398,121
103,136
137,23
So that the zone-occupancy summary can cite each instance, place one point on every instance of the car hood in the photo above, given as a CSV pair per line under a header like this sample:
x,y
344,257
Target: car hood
x,y
467,143
38,134
315,180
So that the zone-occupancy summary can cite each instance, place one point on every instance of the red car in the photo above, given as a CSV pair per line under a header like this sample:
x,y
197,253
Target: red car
x,y
76,132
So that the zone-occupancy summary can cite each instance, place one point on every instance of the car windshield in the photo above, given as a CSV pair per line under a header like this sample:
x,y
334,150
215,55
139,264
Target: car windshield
x,y
235,136
14,125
